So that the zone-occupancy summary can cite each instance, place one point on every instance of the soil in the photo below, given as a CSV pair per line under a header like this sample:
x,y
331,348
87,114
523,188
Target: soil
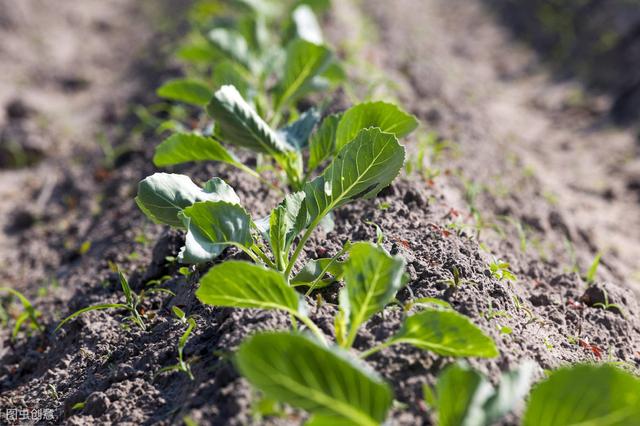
x,y
521,152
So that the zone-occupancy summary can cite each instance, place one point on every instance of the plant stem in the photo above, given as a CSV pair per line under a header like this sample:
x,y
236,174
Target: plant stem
x,y
249,253
351,337
315,282
312,327
375,349
262,256
301,244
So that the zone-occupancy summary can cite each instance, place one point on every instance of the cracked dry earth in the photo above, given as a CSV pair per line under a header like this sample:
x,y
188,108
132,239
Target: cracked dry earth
x,y
531,162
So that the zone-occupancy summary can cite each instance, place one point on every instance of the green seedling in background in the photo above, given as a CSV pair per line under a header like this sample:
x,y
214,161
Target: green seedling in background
x,y
131,304
182,365
30,315
593,269
500,270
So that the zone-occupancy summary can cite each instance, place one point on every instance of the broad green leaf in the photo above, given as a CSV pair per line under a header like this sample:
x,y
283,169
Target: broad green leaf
x,y
226,72
197,51
306,24
212,226
387,117
185,147
460,394
318,6
446,333
186,90
467,398
363,167
162,196
305,60
334,74
246,285
282,224
313,269
239,124
372,278
326,382
323,141
297,133
255,32
585,395
232,45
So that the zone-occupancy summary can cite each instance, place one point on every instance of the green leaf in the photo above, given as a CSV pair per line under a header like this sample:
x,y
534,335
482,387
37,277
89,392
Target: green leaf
x,y
162,196
240,125
372,278
446,333
593,269
246,285
90,308
585,395
186,90
313,269
255,32
306,24
178,312
212,226
185,336
305,60
323,141
185,147
297,133
460,394
229,73
197,51
326,382
232,45
283,223
387,117
466,397
365,166
125,287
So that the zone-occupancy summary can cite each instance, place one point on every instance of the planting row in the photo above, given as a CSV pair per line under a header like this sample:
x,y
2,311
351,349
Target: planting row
x,y
264,81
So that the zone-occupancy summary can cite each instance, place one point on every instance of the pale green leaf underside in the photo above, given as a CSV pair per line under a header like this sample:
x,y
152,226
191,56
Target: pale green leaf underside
x,y
185,147
186,90
365,166
162,196
387,117
372,278
246,285
446,333
212,226
585,395
238,124
327,382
